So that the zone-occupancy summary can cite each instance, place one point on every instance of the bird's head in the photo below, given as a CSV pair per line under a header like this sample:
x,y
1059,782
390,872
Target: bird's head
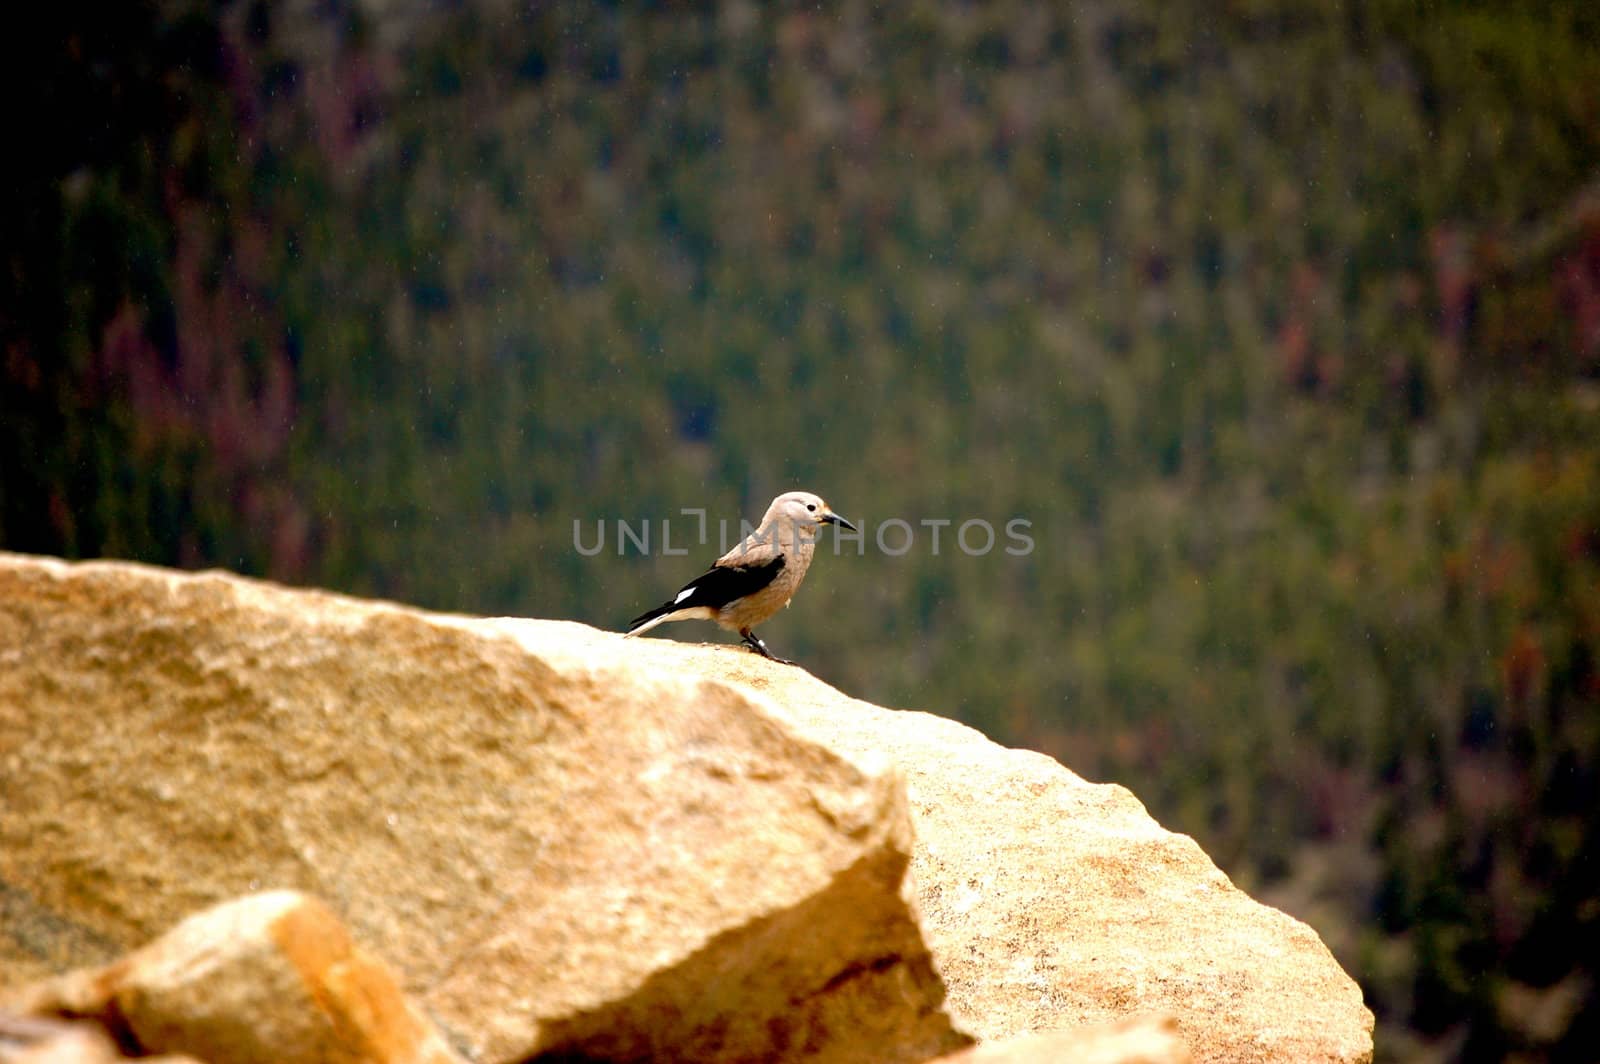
x,y
804,510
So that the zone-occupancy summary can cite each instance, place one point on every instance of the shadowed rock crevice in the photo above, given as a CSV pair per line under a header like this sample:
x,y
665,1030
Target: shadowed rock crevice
x,y
889,1000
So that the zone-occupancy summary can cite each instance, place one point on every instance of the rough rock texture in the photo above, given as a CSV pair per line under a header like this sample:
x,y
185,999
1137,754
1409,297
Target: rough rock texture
x,y
560,851
723,868
262,979
1055,903
1136,1041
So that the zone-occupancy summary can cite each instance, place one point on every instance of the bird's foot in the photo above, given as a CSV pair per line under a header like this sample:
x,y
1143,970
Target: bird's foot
x,y
758,646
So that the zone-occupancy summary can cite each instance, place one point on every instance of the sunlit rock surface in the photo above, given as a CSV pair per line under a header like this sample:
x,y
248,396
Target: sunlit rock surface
x,y
568,841
1052,902
559,852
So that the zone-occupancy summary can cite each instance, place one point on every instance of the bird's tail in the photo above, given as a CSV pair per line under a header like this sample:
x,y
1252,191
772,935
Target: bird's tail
x,y
650,618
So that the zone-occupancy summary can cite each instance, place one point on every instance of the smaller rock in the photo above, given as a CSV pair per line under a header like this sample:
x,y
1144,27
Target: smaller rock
x,y
31,1040
1142,1040
26,1040
264,978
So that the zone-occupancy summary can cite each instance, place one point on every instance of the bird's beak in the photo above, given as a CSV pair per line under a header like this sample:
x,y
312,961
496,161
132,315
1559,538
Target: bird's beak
x,y
831,518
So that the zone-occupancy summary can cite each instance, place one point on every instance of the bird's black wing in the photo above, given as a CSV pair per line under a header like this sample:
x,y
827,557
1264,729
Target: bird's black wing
x,y
716,587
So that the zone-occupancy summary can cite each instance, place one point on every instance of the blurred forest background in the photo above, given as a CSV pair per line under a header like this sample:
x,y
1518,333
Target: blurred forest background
x,y
1279,321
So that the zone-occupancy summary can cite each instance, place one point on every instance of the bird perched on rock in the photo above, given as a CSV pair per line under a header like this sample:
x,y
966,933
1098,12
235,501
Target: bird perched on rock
x,y
755,579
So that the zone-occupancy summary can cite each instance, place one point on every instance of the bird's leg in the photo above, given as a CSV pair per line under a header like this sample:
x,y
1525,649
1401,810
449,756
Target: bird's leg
x,y
755,643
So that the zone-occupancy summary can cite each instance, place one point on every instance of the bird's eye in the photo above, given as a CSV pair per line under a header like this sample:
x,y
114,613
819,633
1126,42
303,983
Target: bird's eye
x,y
811,506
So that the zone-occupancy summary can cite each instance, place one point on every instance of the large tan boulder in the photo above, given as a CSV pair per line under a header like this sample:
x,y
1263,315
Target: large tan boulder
x,y
173,740
1051,902
262,979
574,851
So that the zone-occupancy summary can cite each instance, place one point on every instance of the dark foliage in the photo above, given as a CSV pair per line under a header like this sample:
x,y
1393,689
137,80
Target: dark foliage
x,y
1279,323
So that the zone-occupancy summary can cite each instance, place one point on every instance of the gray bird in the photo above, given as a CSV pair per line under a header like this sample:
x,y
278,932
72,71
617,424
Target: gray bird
x,y
755,579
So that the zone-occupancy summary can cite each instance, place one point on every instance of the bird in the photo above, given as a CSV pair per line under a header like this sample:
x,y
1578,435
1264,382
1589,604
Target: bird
x,y
755,579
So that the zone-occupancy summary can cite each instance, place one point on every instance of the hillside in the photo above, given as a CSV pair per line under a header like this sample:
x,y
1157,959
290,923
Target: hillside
x,y
1280,326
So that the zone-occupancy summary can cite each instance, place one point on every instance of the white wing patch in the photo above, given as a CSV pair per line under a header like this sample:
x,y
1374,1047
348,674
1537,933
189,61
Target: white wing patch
x,y
685,593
